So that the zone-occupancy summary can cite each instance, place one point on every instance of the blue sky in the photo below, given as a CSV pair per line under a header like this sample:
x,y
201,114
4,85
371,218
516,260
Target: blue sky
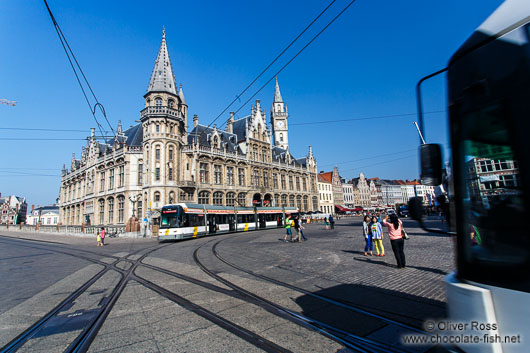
x,y
365,65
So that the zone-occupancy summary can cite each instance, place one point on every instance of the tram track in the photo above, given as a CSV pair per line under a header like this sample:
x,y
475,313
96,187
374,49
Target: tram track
x,y
320,297
89,332
83,340
352,341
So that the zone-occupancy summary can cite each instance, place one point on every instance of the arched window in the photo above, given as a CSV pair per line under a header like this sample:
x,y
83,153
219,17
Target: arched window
x,y
157,196
204,198
148,102
110,202
299,202
121,205
171,197
157,153
306,205
241,199
281,137
291,200
315,203
230,198
170,103
284,200
101,211
215,142
218,198
157,128
158,102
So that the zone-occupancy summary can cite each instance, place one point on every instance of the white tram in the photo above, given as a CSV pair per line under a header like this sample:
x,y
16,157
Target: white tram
x,y
189,220
488,82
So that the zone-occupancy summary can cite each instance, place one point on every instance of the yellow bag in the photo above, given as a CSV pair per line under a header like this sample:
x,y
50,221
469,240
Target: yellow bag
x,y
99,238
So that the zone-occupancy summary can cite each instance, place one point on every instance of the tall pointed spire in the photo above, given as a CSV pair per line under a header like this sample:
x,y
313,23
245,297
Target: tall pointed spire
x,y
277,94
162,79
181,95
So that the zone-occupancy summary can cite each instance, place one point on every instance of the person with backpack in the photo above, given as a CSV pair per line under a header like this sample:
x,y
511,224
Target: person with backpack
x,y
367,233
287,225
396,235
377,236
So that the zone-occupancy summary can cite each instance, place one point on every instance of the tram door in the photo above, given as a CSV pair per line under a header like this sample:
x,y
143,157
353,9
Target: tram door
x,y
231,219
211,224
262,220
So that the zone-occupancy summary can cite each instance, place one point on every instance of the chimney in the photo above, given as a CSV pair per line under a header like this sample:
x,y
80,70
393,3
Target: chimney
x,y
195,120
229,123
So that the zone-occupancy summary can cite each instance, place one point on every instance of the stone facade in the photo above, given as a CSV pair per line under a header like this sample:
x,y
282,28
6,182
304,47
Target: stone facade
x,y
361,190
159,162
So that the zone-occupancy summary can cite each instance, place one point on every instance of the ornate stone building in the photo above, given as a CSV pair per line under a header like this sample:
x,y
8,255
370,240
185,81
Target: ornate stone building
x,y
158,162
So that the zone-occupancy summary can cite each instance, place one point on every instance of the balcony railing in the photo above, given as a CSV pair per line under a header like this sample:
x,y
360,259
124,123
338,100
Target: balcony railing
x,y
159,110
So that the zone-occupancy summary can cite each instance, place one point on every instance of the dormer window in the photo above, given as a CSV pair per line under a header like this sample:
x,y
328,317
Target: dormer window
x,y
158,102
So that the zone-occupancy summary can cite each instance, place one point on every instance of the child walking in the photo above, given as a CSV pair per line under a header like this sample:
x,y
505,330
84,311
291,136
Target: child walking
x,y
377,236
367,232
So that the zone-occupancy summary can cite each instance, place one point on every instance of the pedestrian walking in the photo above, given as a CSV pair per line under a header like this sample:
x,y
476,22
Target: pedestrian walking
x,y
396,235
326,222
367,233
300,224
331,222
98,238
102,236
377,236
299,230
287,225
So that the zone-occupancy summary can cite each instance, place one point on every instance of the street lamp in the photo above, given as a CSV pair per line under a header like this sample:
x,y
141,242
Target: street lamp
x,y
134,200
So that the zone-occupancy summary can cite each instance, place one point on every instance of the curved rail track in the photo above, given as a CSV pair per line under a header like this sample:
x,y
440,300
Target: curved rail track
x,y
82,342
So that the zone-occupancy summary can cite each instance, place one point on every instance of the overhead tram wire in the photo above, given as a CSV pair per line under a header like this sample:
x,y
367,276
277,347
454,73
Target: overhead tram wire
x,y
63,40
298,124
268,66
294,57
366,158
367,118
45,129
379,163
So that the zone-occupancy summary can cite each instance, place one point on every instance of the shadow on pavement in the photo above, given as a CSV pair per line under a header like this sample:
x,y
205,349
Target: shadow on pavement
x,y
402,307
376,260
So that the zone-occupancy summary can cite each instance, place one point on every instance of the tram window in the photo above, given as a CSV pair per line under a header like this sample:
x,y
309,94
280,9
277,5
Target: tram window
x,y
171,219
193,220
245,218
493,202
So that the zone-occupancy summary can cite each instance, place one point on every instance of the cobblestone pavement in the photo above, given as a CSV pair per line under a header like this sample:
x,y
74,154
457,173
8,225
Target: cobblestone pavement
x,y
330,264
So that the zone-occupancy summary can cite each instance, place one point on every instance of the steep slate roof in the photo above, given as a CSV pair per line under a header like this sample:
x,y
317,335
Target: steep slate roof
x,y
277,94
162,78
280,154
203,132
135,135
240,128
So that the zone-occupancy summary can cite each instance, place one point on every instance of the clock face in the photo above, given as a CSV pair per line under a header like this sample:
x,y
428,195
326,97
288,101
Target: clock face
x,y
280,124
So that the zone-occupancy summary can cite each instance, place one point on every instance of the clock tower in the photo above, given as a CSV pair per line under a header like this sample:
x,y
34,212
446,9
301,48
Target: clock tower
x,y
279,117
